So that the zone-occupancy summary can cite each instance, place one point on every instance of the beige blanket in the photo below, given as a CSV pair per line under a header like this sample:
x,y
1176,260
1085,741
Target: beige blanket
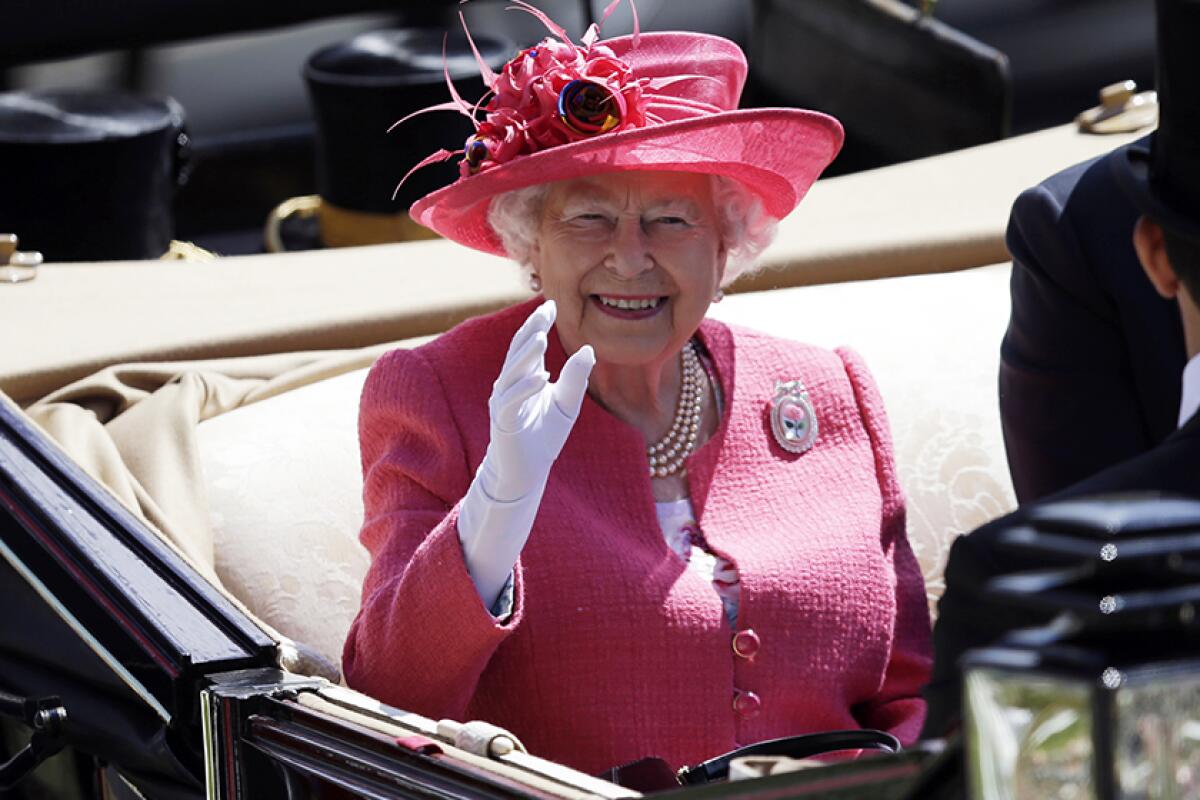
x,y
133,428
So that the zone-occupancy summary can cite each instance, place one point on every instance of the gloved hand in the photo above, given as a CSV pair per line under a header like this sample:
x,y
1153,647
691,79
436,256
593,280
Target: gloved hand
x,y
530,421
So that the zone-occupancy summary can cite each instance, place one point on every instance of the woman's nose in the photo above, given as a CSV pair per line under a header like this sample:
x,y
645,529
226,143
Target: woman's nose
x,y
630,251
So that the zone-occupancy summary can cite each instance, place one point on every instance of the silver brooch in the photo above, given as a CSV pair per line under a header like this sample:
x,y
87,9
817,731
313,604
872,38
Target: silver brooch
x,y
793,420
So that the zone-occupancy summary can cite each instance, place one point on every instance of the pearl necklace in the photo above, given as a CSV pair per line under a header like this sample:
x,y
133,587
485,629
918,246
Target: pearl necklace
x,y
668,454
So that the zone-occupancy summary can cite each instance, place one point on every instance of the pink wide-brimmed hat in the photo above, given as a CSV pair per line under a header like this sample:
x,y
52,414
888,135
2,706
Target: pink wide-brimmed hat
x,y
652,101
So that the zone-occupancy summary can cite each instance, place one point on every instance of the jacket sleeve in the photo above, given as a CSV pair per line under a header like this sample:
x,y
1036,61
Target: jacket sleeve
x,y
897,706
422,637
1065,374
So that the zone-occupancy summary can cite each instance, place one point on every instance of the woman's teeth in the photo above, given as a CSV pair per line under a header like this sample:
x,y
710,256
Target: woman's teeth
x,y
621,302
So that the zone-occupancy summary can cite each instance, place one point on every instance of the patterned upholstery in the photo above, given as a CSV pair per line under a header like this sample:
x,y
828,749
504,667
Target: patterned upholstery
x,y
284,490
283,478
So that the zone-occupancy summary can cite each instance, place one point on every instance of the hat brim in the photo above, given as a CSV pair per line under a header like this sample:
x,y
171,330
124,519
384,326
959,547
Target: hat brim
x,y
1131,167
778,153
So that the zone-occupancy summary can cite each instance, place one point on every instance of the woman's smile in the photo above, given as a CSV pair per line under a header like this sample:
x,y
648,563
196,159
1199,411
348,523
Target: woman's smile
x,y
629,307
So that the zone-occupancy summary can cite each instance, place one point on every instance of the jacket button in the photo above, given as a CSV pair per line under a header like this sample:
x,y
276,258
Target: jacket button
x,y
746,644
746,704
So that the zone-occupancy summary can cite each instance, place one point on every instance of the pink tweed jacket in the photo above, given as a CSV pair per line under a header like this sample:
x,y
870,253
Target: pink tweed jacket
x,y
615,649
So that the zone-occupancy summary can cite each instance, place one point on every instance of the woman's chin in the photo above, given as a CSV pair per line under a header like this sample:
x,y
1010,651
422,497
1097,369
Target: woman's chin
x,y
632,337
631,351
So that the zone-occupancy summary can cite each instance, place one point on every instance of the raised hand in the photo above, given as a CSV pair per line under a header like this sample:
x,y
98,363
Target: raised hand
x,y
530,421
531,417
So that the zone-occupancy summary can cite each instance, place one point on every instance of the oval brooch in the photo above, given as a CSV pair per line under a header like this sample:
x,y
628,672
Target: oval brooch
x,y
793,420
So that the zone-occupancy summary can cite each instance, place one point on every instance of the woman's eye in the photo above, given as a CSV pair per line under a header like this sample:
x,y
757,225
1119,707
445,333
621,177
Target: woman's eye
x,y
589,218
672,221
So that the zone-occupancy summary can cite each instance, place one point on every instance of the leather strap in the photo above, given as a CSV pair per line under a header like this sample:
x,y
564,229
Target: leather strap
x,y
805,746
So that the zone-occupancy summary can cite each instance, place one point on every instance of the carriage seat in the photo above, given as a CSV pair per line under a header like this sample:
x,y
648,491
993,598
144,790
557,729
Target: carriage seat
x,y
284,483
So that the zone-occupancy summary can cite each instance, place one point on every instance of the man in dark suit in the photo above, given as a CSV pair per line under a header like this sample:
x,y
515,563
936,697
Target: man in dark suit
x,y
1161,178
1086,325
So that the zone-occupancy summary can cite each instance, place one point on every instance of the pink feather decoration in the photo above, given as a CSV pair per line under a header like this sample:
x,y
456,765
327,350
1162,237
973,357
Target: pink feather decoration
x,y
454,95
489,77
434,158
550,24
449,105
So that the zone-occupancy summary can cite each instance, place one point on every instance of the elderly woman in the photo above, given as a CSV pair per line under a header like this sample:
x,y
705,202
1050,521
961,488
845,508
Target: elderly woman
x,y
599,519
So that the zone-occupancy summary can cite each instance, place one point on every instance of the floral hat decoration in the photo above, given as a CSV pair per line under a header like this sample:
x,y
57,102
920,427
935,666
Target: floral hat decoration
x,y
647,101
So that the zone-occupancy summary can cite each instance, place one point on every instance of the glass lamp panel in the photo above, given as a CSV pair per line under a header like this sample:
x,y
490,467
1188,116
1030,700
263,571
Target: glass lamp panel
x,y
1029,736
1158,739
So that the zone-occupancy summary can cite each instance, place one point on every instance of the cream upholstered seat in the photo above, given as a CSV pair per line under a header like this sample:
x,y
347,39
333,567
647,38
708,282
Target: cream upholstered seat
x,y
283,476
284,488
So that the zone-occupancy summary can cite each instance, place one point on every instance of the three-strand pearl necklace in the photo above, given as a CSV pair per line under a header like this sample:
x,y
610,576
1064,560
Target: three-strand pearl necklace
x,y
669,453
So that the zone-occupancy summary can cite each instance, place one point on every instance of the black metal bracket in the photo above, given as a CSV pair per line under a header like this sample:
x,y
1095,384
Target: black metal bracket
x,y
47,717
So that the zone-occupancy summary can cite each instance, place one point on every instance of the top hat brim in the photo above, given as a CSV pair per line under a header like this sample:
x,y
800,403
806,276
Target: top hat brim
x,y
1131,166
778,153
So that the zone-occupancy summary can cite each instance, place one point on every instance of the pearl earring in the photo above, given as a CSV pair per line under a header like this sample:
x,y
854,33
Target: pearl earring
x,y
719,296
535,283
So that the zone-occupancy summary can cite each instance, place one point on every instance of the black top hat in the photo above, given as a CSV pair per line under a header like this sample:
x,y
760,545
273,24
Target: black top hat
x,y
1163,177
89,175
361,87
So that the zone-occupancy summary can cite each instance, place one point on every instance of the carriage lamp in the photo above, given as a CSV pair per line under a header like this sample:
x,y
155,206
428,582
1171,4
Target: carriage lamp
x,y
1102,702
1091,733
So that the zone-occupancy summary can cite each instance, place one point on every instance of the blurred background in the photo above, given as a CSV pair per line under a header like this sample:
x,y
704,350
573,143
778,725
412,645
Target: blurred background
x,y
905,85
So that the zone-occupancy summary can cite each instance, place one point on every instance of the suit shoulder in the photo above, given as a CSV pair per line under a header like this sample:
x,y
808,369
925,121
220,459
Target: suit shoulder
x,y
1078,193
1090,175
1167,468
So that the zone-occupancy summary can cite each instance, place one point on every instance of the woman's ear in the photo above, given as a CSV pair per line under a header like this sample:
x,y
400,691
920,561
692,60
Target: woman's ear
x,y
1151,248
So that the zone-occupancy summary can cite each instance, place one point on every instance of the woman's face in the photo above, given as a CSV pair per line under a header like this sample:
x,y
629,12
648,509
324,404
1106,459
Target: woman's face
x,y
632,260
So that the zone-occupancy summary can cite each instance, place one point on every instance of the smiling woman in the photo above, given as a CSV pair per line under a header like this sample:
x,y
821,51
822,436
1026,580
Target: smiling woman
x,y
612,525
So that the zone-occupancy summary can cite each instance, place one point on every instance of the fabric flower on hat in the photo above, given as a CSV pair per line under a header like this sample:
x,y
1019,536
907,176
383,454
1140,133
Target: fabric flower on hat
x,y
553,94
548,95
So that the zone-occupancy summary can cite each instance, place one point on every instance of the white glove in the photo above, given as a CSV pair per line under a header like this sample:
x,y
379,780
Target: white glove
x,y
530,421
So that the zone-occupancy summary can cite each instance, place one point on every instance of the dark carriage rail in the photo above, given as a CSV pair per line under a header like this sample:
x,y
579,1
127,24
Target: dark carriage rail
x,y
260,725
133,600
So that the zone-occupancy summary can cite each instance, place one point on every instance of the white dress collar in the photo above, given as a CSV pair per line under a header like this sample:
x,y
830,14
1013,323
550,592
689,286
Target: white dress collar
x,y
1189,403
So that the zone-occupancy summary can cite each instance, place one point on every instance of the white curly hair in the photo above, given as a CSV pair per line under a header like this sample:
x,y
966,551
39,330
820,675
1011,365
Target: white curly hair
x,y
746,227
